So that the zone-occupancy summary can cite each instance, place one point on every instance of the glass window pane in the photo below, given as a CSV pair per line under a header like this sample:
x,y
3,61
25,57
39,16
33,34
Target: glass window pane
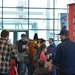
x,y
57,24
15,3
58,11
62,4
45,34
15,13
57,42
40,24
38,3
11,35
0,32
0,23
41,3
15,24
56,36
0,12
19,35
0,3
51,3
47,43
41,13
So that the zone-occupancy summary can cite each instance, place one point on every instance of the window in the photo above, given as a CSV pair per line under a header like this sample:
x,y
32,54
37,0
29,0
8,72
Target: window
x,y
40,16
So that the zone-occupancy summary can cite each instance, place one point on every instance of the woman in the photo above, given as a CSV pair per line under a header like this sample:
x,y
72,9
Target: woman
x,y
31,51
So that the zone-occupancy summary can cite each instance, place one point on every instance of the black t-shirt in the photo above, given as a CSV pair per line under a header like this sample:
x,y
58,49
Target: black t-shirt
x,y
22,46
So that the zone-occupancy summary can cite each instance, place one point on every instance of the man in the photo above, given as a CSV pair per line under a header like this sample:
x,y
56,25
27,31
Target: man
x,y
6,52
51,49
65,55
21,53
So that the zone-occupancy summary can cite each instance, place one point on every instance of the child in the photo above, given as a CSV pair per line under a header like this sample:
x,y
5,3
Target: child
x,y
13,69
42,53
49,61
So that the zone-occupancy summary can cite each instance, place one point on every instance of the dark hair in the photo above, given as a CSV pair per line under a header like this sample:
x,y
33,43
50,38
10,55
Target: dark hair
x,y
42,40
51,39
23,35
46,53
35,36
43,47
41,63
4,33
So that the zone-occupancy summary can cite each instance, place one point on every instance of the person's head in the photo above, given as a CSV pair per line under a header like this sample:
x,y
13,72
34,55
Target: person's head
x,y
41,63
42,41
35,36
43,48
64,34
5,34
51,41
23,37
47,55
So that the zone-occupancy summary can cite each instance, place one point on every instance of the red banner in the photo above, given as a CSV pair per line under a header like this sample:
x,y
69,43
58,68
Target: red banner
x,y
71,21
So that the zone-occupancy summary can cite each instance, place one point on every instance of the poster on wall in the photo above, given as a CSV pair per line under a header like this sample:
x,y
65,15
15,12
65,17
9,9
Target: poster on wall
x,y
63,20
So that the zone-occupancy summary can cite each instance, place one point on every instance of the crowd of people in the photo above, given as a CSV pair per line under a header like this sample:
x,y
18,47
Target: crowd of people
x,y
34,56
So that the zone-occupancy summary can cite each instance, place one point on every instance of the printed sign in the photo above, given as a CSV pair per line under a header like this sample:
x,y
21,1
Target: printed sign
x,y
63,20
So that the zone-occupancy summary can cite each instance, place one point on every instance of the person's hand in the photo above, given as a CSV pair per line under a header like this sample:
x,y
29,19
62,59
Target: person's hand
x,y
50,54
16,74
52,67
27,47
51,61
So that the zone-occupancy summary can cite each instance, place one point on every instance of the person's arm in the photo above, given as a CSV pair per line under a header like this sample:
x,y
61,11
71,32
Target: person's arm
x,y
57,58
12,51
52,67
16,72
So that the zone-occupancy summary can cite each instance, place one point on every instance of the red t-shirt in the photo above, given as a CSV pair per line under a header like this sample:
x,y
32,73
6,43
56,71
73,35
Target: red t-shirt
x,y
12,65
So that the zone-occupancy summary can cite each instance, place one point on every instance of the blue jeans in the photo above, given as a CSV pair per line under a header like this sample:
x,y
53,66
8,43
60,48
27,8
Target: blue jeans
x,y
22,68
54,71
4,73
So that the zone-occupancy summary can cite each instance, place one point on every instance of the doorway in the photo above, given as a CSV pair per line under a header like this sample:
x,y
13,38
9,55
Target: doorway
x,y
15,35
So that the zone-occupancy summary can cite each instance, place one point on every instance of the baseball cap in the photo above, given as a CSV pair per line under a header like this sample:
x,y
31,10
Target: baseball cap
x,y
23,35
64,32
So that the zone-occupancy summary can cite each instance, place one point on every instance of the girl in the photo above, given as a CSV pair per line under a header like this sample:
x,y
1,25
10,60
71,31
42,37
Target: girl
x,y
42,54
13,69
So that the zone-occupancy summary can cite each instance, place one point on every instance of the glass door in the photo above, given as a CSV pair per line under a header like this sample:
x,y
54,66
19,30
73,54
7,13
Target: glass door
x,y
11,35
16,35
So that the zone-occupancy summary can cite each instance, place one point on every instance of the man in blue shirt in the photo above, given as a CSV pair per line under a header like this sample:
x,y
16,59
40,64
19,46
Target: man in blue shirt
x,y
51,49
65,55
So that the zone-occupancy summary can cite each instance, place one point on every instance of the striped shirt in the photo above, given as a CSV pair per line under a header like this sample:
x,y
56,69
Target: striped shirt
x,y
6,52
